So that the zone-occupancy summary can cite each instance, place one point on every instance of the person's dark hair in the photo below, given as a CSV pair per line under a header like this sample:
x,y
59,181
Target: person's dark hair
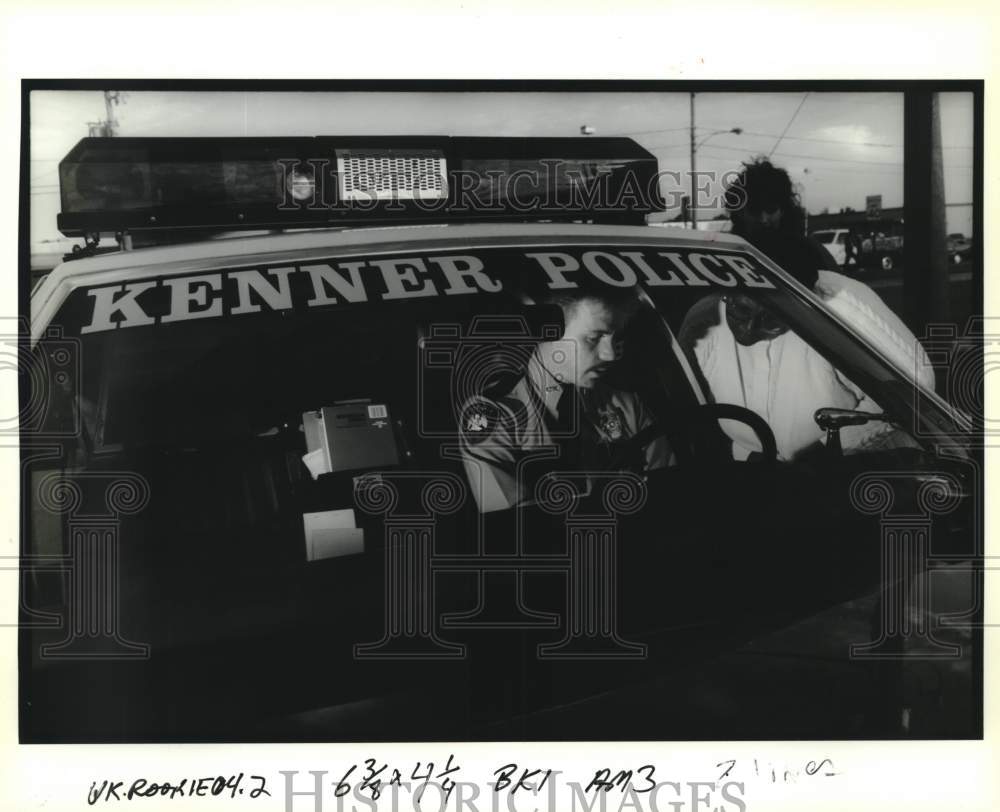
x,y
761,186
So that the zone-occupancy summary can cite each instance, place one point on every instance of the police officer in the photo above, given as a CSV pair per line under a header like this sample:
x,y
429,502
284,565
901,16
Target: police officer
x,y
560,414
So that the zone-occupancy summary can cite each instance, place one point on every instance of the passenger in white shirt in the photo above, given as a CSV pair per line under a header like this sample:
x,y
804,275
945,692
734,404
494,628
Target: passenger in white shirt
x,y
750,359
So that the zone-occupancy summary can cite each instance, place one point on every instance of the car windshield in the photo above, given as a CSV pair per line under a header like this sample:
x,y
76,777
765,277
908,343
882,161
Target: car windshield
x,y
214,375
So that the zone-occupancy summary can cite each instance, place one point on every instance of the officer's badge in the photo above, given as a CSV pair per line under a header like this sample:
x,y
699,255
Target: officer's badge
x,y
478,420
611,422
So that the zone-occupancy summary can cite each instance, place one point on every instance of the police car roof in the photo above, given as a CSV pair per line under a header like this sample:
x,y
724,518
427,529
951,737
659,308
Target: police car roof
x,y
244,251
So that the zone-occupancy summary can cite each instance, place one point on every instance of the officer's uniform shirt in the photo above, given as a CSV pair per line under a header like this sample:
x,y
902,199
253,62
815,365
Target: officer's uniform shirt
x,y
510,439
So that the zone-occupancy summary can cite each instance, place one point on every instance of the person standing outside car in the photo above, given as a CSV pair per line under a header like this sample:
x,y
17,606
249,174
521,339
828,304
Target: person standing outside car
x,y
850,251
749,358
768,214
857,244
765,211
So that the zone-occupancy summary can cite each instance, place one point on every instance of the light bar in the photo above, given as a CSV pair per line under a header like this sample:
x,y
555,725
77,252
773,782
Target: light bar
x,y
142,184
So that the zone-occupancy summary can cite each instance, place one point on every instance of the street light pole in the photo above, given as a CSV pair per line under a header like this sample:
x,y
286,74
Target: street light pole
x,y
692,203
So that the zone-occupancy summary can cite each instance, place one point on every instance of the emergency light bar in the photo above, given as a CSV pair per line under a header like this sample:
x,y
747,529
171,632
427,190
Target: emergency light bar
x,y
141,184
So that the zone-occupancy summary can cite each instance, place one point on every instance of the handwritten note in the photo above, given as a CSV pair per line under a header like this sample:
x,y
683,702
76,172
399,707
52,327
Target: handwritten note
x,y
721,788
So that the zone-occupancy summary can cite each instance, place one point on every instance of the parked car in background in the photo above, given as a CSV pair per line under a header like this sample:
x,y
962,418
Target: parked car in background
x,y
959,248
881,245
835,241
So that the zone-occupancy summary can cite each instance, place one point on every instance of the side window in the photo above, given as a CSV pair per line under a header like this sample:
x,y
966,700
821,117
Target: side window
x,y
239,442
747,355
58,426
219,416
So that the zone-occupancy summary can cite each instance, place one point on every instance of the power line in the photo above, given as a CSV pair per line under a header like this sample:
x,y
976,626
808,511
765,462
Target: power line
x,y
827,159
753,134
789,124
846,142
821,140
813,157
898,167
856,98
684,144
897,171
648,132
838,160
854,161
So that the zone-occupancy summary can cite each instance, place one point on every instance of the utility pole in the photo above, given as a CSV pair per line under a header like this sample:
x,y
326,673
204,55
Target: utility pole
x,y
695,144
693,204
111,97
108,128
926,284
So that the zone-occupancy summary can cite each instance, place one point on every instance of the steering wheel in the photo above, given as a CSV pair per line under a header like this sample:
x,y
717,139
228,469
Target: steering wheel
x,y
706,414
711,412
632,448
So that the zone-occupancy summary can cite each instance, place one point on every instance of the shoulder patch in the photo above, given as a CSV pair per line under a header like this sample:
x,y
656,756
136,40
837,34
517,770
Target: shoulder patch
x,y
478,420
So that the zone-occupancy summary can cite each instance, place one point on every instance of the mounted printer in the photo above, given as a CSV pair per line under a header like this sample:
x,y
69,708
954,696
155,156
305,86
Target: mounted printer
x,y
351,435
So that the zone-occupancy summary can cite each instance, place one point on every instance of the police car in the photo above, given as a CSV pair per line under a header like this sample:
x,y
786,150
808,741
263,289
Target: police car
x,y
252,503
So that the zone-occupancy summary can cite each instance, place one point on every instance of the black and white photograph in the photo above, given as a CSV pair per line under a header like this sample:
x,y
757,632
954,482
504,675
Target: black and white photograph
x,y
634,411
529,408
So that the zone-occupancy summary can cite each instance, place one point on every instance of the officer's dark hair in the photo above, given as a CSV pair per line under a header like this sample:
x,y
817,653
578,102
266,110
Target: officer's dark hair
x,y
617,298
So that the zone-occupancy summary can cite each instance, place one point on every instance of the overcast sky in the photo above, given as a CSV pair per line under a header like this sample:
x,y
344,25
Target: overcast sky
x,y
838,147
